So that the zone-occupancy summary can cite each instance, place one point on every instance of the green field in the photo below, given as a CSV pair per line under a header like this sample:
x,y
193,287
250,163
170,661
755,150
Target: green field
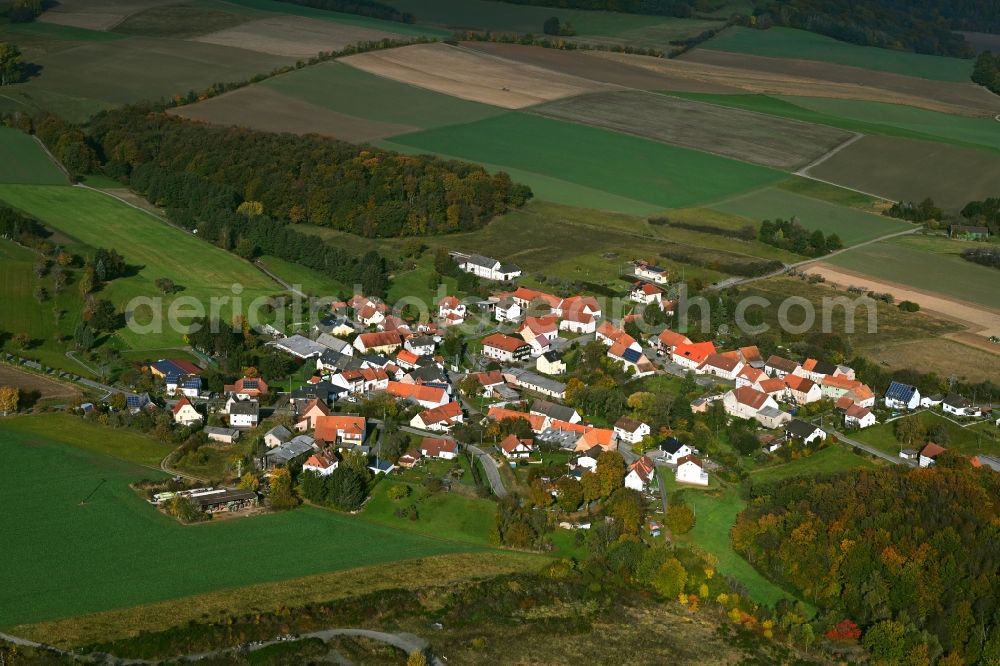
x,y
607,162
929,264
115,550
800,44
312,282
339,17
715,514
866,117
967,441
345,89
444,515
23,161
158,249
833,458
853,226
196,17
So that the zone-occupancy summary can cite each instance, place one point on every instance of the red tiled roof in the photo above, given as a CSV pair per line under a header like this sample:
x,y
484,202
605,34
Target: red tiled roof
x,y
689,458
697,351
384,339
670,338
446,412
491,378
511,442
721,361
800,384
932,450
328,426
505,342
435,446
180,404
418,392
537,421
750,396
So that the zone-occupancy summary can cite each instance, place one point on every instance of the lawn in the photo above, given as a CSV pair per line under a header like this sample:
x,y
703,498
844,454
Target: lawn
x,y
967,441
154,247
443,515
833,458
865,116
799,44
930,264
622,165
351,91
305,279
715,514
23,161
852,225
70,558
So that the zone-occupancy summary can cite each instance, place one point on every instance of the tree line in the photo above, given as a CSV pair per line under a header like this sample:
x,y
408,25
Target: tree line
x,y
311,179
677,8
987,71
906,557
372,8
791,235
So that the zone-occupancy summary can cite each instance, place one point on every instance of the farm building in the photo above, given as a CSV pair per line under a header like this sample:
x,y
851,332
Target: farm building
x,y
488,268
902,396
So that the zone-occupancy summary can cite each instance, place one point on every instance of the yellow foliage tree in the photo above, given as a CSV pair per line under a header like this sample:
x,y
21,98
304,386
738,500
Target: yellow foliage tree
x,y
9,397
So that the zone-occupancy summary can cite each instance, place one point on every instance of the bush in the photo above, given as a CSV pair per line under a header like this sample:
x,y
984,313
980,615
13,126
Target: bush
x,y
909,306
399,491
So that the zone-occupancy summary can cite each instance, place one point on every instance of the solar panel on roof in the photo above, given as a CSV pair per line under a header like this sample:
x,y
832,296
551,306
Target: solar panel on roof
x,y
632,355
249,383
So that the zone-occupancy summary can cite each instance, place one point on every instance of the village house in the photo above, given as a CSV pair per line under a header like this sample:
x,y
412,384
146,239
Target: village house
x,y
530,381
554,411
312,410
439,447
749,376
929,454
359,382
537,422
321,463
440,419
840,386
244,414
959,406
539,332
421,345
176,367
424,395
692,355
336,344
647,271
640,474
505,348
967,232
515,448
690,470
628,352
453,308
858,417
772,386
277,436
367,311
551,363
631,430
576,321
488,268
778,366
221,435
378,343
293,450
802,390
816,370
406,359
333,326
185,413
409,459
601,437
246,387
805,432
507,309
902,396
189,386
671,450
751,356
644,292
725,366
668,340
537,303
772,417
745,402
345,429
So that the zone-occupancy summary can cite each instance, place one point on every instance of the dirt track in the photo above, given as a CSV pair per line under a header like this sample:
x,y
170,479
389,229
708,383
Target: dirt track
x,y
982,321
473,76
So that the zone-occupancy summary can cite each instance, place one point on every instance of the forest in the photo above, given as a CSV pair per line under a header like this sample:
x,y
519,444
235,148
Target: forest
x,y
311,179
792,236
905,560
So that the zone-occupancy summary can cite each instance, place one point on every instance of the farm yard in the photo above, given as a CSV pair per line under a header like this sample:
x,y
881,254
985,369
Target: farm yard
x,y
852,225
471,75
155,248
789,43
900,169
764,140
143,556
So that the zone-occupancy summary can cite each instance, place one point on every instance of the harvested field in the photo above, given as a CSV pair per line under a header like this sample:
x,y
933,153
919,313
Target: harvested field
x,y
262,108
294,36
584,64
967,97
746,136
338,87
778,83
29,382
983,321
779,42
911,170
97,14
471,75
942,356
183,20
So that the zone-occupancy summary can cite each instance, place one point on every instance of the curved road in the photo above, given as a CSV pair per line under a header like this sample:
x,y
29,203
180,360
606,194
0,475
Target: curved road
x,y
408,643
492,470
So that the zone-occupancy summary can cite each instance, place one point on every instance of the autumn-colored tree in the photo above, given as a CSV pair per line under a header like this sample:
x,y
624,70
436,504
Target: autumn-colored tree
x,y
670,579
610,471
118,401
570,493
573,389
9,397
538,495
416,658
680,518
249,481
590,484
280,496
846,631
886,641
910,431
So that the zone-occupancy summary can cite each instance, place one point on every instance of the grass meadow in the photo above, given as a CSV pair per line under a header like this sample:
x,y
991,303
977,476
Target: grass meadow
x,y
23,161
154,247
832,458
852,225
931,264
276,7
626,166
72,557
967,441
780,42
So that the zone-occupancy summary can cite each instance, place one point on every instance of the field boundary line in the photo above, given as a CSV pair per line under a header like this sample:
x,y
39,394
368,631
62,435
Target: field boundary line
x,y
59,165
830,153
